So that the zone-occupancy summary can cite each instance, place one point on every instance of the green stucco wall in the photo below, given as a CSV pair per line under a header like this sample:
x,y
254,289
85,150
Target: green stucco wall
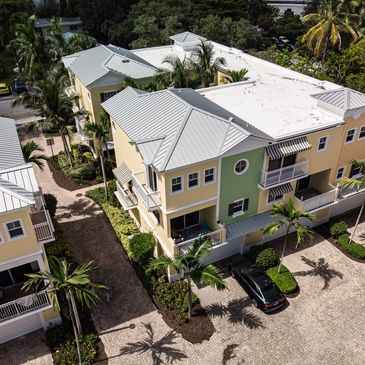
x,y
235,187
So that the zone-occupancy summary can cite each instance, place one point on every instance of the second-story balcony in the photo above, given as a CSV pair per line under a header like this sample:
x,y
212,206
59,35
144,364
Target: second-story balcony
x,y
70,91
151,199
126,198
313,199
284,174
42,221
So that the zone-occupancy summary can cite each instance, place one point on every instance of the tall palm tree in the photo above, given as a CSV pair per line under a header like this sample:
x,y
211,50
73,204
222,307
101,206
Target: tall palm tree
x,y
73,282
204,62
55,41
290,220
351,183
189,266
177,74
27,44
332,20
235,76
28,150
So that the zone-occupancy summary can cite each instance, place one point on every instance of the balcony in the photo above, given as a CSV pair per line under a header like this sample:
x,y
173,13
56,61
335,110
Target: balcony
x,y
70,91
151,199
23,305
126,198
42,222
312,199
288,173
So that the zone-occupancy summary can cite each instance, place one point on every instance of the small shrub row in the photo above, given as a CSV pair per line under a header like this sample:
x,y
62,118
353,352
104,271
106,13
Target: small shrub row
x,y
283,279
354,249
141,248
337,229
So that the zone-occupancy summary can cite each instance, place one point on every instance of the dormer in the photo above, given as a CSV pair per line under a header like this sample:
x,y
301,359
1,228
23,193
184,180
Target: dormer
x,y
344,101
187,41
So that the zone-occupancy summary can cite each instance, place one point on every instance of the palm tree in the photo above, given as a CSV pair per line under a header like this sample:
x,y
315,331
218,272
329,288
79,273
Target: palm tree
x,y
235,76
189,266
177,74
27,44
55,41
204,62
290,220
73,282
351,183
101,132
28,150
332,19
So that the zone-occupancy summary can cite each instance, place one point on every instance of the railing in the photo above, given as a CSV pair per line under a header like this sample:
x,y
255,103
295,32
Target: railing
x,y
150,199
125,197
287,173
43,231
216,237
318,201
23,305
70,91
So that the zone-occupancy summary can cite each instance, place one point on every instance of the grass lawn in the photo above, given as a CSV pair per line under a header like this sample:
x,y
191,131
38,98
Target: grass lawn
x,y
283,279
9,64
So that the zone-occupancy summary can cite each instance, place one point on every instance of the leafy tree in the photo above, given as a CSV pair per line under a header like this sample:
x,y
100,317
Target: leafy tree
x,y
205,64
290,220
189,266
80,41
332,21
72,282
235,76
352,183
28,150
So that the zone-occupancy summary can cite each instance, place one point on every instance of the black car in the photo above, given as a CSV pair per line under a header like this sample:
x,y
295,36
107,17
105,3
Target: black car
x,y
262,290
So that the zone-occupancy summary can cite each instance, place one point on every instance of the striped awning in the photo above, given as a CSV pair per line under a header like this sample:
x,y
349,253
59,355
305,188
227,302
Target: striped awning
x,y
281,189
287,148
123,173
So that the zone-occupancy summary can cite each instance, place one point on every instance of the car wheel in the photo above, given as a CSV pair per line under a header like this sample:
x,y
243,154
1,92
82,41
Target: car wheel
x,y
254,301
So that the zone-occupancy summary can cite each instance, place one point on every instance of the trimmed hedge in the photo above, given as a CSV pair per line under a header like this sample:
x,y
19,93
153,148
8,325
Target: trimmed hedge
x,y
339,228
267,258
354,249
283,279
142,247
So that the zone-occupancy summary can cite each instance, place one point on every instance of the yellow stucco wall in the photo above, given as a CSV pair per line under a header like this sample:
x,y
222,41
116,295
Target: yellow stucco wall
x,y
263,196
50,315
10,250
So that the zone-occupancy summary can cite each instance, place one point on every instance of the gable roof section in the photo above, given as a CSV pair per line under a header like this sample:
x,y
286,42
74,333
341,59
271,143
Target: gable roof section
x,y
187,37
174,128
94,63
10,150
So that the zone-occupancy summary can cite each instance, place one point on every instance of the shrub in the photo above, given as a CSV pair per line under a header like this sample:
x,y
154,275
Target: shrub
x,y
354,249
67,355
60,247
141,247
57,335
84,172
267,258
51,203
99,179
283,279
338,229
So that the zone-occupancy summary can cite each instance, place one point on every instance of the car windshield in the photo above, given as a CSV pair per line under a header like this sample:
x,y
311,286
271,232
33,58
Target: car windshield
x,y
269,292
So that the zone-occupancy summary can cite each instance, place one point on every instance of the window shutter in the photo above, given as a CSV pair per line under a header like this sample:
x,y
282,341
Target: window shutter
x,y
230,209
245,204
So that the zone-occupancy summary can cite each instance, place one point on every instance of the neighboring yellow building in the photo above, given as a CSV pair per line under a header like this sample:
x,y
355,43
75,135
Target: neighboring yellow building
x,y
25,226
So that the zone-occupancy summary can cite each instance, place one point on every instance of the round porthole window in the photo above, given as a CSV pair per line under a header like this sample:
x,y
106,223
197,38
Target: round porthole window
x,y
241,167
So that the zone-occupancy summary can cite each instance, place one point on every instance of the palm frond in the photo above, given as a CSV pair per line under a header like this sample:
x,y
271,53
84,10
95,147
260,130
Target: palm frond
x,y
273,227
209,275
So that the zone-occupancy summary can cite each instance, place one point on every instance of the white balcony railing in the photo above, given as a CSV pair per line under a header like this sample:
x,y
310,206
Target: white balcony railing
x,y
216,237
42,225
287,173
151,199
70,91
125,197
43,231
24,305
318,201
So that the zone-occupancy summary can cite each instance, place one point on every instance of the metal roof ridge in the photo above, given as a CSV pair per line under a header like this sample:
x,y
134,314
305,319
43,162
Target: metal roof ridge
x,y
146,140
114,54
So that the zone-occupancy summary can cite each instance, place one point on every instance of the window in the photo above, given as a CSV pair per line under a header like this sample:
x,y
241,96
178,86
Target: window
x,y
241,167
350,135
362,132
355,171
340,173
156,214
193,180
113,127
279,163
274,198
15,229
238,207
322,144
209,176
184,221
176,185
1,239
107,95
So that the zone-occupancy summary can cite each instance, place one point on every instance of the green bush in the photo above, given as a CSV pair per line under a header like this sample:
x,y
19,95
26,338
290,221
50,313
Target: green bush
x,y
142,247
354,249
84,172
99,178
51,204
67,354
267,258
59,247
339,228
283,279
57,335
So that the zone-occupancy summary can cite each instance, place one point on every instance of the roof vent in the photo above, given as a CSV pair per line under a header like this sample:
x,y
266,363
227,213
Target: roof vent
x,y
125,61
230,119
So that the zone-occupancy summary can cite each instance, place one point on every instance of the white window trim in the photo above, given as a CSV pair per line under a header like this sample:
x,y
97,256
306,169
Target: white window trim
x,y
354,139
214,174
325,144
242,212
113,127
246,168
195,186
361,138
182,185
17,237
274,201
1,239
343,173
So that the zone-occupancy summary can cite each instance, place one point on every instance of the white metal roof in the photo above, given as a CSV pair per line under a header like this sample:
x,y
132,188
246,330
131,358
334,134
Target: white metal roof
x,y
187,37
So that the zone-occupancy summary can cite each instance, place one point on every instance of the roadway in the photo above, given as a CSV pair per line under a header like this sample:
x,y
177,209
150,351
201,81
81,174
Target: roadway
x,y
20,114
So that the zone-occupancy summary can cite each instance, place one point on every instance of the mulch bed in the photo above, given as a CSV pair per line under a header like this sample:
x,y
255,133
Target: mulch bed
x,y
200,327
66,182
